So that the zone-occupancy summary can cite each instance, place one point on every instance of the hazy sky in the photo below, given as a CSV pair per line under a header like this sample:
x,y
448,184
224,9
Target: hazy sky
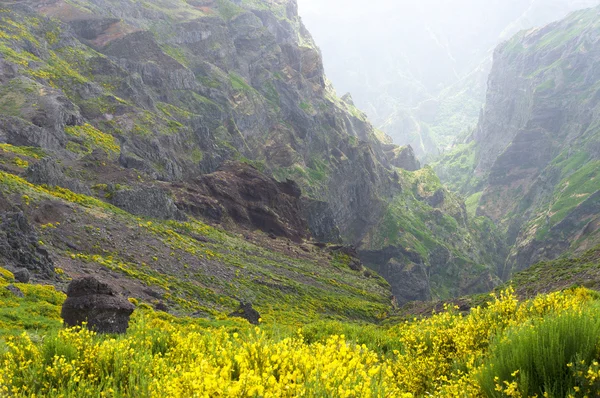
x,y
429,42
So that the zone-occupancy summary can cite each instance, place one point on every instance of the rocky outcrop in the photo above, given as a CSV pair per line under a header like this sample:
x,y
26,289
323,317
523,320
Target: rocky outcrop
x,y
20,247
247,312
98,304
47,171
151,202
22,275
404,270
321,221
241,194
535,156
405,158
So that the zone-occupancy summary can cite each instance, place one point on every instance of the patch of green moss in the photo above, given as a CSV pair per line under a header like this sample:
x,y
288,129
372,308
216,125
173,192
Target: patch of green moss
x,y
238,83
472,203
228,10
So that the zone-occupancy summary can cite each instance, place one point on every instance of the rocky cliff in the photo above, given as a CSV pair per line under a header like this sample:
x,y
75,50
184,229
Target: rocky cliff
x,y
145,105
533,156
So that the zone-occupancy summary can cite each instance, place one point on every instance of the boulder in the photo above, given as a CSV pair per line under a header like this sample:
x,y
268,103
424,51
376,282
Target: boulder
x,y
15,291
22,275
98,304
247,312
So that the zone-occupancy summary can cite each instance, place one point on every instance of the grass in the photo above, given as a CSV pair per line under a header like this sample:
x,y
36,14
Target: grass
x,y
539,359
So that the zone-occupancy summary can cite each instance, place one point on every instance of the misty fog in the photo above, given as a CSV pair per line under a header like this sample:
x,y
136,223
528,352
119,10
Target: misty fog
x,y
393,56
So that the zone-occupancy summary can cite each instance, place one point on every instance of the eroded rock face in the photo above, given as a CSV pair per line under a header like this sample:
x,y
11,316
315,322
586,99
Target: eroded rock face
x,y
241,194
536,141
19,245
403,269
405,158
49,172
321,221
98,304
150,202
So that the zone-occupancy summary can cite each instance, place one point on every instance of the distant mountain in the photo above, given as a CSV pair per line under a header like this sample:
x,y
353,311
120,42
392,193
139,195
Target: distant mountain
x,y
419,69
533,162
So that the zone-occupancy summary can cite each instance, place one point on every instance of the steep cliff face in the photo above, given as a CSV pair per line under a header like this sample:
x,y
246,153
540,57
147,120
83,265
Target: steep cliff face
x,y
143,104
534,153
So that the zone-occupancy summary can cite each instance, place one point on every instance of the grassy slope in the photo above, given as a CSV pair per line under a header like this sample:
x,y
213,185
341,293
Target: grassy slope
x,y
209,274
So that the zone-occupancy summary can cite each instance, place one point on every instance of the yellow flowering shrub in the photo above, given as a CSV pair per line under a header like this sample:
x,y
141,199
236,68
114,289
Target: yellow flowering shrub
x,y
163,356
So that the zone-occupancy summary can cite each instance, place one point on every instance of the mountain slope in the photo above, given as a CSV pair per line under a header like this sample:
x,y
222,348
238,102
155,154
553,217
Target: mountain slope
x,y
144,105
532,162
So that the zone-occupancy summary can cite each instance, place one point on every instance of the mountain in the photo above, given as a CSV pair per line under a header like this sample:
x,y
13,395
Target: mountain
x,y
531,164
155,123
413,67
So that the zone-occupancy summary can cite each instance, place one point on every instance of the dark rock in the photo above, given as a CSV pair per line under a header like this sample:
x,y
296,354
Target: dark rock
x,y
22,275
153,293
98,304
161,306
15,290
436,199
403,269
321,221
19,245
247,312
241,194
405,158
49,172
150,202
347,98
355,263
90,29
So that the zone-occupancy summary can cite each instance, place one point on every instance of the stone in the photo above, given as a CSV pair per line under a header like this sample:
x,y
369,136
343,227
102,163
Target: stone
x,y
49,172
405,158
98,304
247,312
19,245
22,275
239,193
148,201
15,290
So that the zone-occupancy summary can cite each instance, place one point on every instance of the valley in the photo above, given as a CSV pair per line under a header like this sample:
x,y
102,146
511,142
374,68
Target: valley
x,y
192,159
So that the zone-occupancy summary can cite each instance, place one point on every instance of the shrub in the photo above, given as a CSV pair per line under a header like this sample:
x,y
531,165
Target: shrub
x,y
535,358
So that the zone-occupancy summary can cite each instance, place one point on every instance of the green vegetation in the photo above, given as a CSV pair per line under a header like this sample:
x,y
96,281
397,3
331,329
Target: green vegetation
x,y
90,138
562,273
546,345
38,313
472,203
228,10
456,168
238,83
543,358
30,152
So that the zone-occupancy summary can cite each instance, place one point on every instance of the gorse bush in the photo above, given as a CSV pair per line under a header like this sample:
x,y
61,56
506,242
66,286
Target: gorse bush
x,y
538,359
542,347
